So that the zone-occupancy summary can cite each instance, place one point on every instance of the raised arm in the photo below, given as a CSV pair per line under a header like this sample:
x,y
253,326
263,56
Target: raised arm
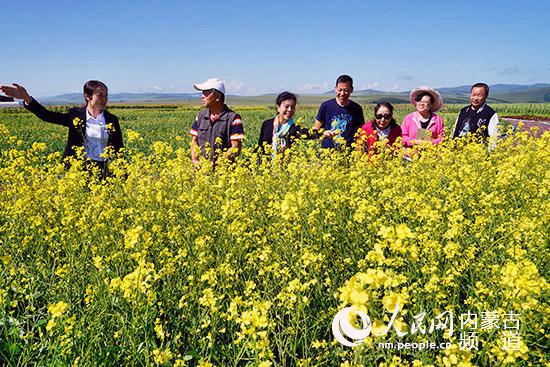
x,y
326,133
19,92
16,91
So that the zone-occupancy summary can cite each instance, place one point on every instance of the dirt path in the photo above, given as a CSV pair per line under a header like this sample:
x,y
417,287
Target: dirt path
x,y
543,125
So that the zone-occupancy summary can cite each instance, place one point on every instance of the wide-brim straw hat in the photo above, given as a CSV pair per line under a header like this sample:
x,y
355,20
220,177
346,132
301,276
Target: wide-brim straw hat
x,y
438,101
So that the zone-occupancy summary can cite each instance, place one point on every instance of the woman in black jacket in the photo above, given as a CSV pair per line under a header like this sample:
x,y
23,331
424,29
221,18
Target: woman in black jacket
x,y
91,126
281,131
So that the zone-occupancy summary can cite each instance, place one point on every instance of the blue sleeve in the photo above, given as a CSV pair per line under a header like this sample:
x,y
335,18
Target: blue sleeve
x,y
321,114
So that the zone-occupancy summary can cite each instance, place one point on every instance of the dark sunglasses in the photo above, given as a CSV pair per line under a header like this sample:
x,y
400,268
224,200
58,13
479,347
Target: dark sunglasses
x,y
387,116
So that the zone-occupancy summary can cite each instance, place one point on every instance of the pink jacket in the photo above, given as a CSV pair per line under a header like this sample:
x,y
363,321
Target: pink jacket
x,y
411,124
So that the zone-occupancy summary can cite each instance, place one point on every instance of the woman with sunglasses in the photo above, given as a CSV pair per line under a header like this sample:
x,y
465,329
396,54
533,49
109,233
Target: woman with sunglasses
x,y
91,126
424,125
383,128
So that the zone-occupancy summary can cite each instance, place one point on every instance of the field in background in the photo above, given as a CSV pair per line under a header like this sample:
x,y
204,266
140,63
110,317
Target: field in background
x,y
171,123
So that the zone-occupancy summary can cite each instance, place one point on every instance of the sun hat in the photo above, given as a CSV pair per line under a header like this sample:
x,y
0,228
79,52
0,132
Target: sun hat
x,y
438,101
212,83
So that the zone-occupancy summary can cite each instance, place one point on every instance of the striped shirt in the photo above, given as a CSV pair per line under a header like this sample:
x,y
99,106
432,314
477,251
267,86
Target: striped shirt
x,y
217,132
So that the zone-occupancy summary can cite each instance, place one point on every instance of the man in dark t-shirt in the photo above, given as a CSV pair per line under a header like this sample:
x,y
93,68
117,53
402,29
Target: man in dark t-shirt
x,y
340,118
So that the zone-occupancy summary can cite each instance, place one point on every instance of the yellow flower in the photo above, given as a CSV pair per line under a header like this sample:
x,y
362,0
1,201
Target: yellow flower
x,y
50,325
392,300
204,363
57,309
39,147
379,328
133,136
403,231
98,262
318,344
159,330
132,236
358,297
161,356
60,272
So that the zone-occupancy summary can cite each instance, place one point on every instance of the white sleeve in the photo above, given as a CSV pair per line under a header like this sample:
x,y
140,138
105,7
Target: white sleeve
x,y
456,123
492,130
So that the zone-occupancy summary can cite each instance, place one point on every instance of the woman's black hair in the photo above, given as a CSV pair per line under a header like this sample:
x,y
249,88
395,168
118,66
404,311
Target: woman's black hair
x,y
91,86
284,96
422,95
389,106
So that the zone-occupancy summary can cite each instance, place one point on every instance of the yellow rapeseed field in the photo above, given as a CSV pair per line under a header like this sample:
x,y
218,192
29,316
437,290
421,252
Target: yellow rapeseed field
x,y
168,264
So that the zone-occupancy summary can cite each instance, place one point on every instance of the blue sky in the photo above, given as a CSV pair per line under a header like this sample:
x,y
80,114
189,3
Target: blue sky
x,y
53,47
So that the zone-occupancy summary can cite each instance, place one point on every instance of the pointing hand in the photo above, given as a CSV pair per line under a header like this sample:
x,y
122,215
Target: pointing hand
x,y
16,91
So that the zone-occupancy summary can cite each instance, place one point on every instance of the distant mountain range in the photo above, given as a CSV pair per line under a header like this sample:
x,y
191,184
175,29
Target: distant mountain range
x,y
76,98
499,93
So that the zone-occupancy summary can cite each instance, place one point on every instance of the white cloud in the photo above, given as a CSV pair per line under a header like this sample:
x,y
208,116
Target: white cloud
x,y
154,88
396,88
373,85
234,86
237,87
314,88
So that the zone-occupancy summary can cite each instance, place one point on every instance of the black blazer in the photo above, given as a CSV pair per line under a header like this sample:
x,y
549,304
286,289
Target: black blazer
x,y
75,120
266,135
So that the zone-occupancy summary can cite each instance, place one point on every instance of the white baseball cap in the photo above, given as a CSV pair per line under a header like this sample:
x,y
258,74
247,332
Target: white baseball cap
x,y
212,83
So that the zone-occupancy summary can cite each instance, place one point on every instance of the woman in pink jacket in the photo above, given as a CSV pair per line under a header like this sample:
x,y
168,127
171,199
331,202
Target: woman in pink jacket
x,y
423,125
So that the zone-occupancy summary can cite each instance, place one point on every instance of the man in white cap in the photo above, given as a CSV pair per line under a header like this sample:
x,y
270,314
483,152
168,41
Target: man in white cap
x,y
478,118
216,128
